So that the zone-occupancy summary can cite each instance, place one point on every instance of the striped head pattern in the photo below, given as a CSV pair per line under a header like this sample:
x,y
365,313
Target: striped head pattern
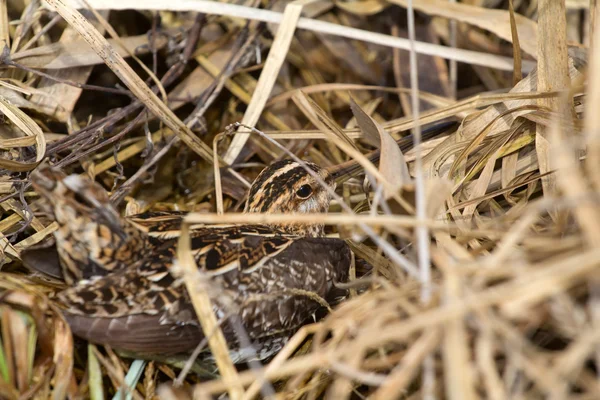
x,y
286,187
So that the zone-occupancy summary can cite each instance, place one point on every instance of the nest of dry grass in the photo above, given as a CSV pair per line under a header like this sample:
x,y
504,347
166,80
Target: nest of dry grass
x,y
489,287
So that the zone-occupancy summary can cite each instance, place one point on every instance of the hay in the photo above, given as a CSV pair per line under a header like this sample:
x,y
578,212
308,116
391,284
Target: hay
x,y
476,277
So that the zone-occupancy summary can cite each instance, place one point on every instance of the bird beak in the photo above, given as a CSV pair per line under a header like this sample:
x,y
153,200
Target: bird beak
x,y
349,169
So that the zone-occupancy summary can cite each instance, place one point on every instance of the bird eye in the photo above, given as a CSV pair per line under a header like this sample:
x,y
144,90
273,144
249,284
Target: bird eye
x,y
304,192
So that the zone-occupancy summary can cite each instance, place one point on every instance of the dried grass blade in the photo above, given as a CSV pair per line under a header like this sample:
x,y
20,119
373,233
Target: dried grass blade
x,y
517,72
401,377
18,331
344,87
217,172
268,76
319,118
524,93
104,23
285,353
17,142
4,26
570,362
570,178
333,132
116,62
592,116
370,108
17,86
495,21
239,91
233,10
484,353
381,265
95,375
485,132
17,207
553,75
196,83
509,169
349,374
30,128
504,190
296,365
528,360
531,287
63,355
392,164
204,310
456,352
36,237
6,247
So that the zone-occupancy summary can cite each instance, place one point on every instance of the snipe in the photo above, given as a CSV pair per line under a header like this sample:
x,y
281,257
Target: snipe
x,y
121,290
123,294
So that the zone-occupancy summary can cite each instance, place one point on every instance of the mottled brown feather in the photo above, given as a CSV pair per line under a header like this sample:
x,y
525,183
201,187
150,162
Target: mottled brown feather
x,y
141,333
162,309
92,239
124,292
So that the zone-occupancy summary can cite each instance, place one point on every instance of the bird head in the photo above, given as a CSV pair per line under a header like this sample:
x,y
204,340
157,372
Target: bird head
x,y
286,187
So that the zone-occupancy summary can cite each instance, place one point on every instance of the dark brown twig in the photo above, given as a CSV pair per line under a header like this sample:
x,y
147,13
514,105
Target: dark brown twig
x,y
6,60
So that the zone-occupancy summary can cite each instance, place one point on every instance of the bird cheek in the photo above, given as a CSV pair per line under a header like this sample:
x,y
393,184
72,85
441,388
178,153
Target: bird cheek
x,y
316,205
324,201
302,207
305,206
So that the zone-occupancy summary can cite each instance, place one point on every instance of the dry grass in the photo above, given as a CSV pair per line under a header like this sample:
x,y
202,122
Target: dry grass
x,y
488,285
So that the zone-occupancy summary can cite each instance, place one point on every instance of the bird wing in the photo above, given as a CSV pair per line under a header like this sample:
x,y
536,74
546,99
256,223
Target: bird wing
x,y
145,309
147,312
287,290
243,248
159,224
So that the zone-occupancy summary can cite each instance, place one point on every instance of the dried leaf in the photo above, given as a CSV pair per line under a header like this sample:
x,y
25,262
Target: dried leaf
x,y
495,21
391,163
78,53
517,73
319,118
